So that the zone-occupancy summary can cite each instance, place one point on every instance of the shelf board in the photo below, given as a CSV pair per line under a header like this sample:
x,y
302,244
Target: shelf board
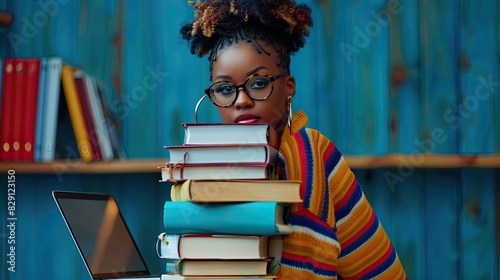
x,y
446,161
5,18
355,162
100,167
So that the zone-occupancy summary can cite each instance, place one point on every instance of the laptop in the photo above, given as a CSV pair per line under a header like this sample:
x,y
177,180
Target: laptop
x,y
101,236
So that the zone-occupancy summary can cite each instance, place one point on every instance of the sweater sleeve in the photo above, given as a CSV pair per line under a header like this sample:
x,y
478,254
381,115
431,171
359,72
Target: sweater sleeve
x,y
336,232
365,249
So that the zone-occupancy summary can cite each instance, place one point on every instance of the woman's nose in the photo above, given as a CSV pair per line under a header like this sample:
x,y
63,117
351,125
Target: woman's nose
x,y
243,100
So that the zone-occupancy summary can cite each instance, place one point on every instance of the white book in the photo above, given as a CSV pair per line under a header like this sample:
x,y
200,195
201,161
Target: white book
x,y
51,108
96,110
218,171
224,133
255,153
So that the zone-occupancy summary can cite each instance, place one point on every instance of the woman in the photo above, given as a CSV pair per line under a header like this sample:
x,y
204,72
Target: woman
x,y
249,43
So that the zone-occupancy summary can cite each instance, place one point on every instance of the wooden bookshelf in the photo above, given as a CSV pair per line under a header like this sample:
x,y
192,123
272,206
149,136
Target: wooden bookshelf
x,y
5,18
356,162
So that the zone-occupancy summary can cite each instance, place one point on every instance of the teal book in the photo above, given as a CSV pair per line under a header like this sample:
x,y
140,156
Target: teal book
x,y
246,218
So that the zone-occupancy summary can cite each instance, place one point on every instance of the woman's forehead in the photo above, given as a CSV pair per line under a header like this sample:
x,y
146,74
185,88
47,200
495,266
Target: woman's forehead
x,y
245,54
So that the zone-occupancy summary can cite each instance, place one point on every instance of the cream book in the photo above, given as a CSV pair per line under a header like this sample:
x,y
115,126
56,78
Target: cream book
x,y
286,191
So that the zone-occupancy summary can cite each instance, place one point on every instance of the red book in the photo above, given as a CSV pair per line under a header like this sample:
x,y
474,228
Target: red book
x,y
87,114
19,92
32,74
7,118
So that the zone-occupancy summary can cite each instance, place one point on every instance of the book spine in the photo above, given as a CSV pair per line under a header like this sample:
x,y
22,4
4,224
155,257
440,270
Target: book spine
x,y
172,267
18,114
170,247
37,146
87,115
98,117
31,100
51,108
181,191
7,109
76,114
1,85
248,218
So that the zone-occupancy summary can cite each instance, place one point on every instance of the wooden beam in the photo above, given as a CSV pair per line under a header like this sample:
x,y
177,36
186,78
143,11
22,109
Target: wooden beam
x,y
424,161
101,167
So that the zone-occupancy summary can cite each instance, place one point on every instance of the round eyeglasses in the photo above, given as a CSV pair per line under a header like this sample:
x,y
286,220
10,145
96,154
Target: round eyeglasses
x,y
257,87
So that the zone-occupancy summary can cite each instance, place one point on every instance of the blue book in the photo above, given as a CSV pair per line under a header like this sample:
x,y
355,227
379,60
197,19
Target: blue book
x,y
51,108
37,152
246,218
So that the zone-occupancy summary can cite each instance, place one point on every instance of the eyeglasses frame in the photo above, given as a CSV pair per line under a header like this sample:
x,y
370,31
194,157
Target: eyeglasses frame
x,y
271,78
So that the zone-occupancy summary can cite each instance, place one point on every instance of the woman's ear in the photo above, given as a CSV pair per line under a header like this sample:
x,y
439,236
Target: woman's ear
x,y
290,86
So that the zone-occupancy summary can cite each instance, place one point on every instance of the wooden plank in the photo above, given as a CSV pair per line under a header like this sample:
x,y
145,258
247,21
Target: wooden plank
x,y
474,116
439,52
408,234
328,38
303,68
478,233
187,76
442,204
62,32
405,76
370,94
495,7
137,102
99,36
347,47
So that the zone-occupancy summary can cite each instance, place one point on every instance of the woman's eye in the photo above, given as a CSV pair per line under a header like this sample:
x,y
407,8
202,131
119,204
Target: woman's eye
x,y
224,89
259,83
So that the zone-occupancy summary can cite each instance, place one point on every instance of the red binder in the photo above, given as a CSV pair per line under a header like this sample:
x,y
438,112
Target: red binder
x,y
19,92
32,74
7,117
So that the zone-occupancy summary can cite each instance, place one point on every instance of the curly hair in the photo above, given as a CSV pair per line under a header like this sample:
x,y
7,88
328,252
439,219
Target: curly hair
x,y
217,24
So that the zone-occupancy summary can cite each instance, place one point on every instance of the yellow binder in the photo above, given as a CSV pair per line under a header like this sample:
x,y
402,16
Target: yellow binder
x,y
76,114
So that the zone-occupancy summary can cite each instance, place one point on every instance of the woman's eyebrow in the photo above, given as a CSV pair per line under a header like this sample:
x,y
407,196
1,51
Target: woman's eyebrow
x,y
255,70
225,77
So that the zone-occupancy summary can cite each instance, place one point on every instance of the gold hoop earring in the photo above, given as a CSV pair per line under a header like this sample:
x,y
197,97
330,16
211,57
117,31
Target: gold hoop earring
x,y
289,108
197,107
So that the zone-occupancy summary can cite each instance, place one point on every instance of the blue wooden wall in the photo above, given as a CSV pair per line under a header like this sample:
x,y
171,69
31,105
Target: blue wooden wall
x,y
376,77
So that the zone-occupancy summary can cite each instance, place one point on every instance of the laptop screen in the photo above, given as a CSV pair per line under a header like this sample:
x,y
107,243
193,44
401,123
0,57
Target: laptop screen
x,y
101,235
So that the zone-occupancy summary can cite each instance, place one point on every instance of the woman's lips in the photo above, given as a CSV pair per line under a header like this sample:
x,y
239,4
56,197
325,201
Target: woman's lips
x,y
247,118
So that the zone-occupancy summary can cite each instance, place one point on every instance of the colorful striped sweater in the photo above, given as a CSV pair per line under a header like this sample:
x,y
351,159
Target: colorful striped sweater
x,y
336,233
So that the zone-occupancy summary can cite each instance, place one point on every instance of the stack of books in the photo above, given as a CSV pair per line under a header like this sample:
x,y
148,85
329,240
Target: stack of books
x,y
227,213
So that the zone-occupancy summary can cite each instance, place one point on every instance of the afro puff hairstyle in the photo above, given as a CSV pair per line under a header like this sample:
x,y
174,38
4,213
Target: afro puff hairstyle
x,y
217,24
